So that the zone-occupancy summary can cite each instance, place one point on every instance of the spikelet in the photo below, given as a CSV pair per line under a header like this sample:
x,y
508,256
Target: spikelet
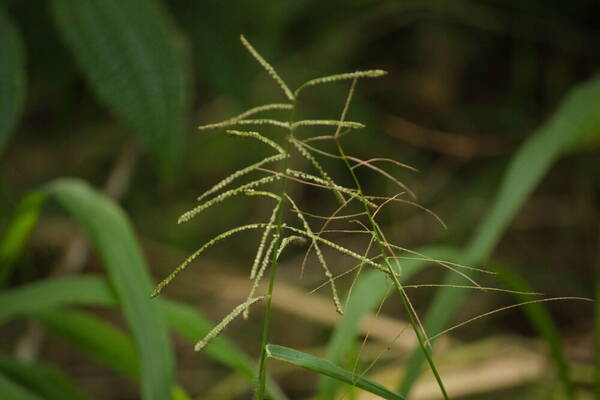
x,y
263,240
318,166
263,267
264,121
287,240
259,137
206,245
319,151
328,122
245,114
268,67
339,248
372,73
308,177
232,192
253,192
320,257
221,325
241,172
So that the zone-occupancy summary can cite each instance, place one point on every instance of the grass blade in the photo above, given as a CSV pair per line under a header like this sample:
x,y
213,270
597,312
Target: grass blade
x,y
48,295
192,325
15,391
93,336
43,380
17,232
109,230
12,77
576,121
54,293
542,321
326,367
133,62
366,296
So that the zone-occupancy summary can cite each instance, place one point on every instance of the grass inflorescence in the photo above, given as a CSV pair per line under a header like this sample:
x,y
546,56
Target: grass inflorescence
x,y
288,223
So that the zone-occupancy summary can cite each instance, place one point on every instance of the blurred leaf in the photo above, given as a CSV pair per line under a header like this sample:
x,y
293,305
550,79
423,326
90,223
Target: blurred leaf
x,y
48,382
109,230
17,232
12,77
326,367
366,296
192,325
93,336
180,394
99,339
576,119
129,54
48,295
14,391
54,293
542,321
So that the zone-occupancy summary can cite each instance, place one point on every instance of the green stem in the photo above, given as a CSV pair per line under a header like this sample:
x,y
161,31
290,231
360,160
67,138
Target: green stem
x,y
380,238
262,366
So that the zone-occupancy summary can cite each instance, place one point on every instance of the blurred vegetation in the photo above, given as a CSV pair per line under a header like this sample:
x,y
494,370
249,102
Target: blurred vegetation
x,y
495,102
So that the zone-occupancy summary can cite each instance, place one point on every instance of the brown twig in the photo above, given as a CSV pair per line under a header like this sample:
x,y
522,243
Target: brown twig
x,y
453,144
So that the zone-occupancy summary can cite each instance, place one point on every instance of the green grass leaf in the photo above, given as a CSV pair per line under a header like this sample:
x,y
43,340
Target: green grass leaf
x,y
326,367
43,380
109,230
14,391
12,77
366,296
48,295
576,119
95,337
55,293
133,61
542,321
192,325
17,232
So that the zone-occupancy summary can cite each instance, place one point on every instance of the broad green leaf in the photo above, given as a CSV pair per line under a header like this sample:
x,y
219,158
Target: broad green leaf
x,y
109,230
542,321
133,61
98,339
366,296
12,77
326,367
14,391
92,335
48,295
43,380
577,119
54,293
17,232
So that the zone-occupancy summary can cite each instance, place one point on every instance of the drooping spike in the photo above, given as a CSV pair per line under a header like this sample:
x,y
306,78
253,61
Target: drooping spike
x,y
268,67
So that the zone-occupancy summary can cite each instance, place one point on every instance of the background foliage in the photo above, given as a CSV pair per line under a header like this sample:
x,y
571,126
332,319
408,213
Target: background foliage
x,y
495,102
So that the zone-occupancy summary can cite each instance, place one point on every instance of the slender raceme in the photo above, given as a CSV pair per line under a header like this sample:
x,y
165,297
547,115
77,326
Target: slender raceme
x,y
270,177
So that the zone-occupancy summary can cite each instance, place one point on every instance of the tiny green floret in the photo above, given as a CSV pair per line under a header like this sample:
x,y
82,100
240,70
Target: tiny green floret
x,y
268,67
206,245
221,325
255,110
372,73
328,122
185,217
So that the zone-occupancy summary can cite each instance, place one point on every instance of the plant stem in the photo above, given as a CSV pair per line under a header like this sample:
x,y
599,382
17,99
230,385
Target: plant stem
x,y
380,238
262,366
